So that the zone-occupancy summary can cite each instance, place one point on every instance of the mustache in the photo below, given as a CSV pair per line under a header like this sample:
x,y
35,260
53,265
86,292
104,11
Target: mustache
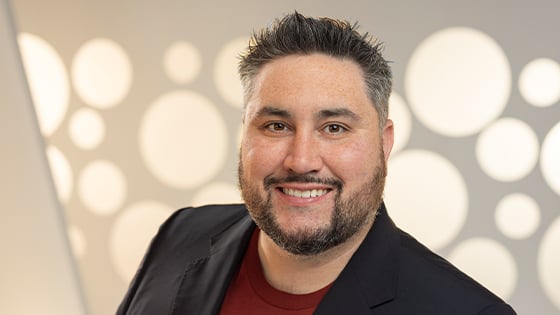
x,y
302,178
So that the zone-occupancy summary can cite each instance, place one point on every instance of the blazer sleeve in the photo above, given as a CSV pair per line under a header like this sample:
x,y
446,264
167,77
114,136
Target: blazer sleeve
x,y
498,309
137,279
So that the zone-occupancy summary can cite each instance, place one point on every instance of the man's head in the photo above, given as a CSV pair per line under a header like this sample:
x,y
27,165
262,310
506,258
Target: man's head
x,y
314,150
296,34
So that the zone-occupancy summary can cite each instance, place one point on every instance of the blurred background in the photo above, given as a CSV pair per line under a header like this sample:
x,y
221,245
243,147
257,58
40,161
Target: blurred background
x,y
138,105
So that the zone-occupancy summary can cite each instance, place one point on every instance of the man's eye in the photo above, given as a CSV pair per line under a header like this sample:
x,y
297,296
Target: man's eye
x,y
276,126
334,128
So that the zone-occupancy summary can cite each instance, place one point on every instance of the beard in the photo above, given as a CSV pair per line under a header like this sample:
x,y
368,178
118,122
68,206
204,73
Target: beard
x,y
349,214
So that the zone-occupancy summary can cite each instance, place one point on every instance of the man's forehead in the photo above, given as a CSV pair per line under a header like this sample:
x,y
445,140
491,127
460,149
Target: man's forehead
x,y
314,84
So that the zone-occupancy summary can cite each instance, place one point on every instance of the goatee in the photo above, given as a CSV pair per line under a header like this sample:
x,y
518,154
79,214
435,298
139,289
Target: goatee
x,y
349,214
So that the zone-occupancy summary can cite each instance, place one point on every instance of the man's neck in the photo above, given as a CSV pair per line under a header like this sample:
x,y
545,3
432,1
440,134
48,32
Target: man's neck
x,y
300,274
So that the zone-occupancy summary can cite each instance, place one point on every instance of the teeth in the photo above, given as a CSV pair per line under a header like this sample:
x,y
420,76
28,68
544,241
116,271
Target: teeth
x,y
304,193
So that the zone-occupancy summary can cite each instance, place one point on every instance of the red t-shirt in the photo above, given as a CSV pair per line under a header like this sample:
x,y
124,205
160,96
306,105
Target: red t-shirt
x,y
250,293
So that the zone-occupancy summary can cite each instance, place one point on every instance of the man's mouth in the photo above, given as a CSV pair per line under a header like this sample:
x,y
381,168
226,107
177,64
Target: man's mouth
x,y
312,193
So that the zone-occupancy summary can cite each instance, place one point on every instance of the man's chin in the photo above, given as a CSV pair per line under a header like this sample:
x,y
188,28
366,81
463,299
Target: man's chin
x,y
303,240
296,221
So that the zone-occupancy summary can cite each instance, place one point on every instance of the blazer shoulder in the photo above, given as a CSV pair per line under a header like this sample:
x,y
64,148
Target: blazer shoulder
x,y
437,282
182,239
186,234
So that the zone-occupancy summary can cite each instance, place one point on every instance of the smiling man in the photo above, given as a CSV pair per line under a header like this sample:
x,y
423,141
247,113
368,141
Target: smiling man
x,y
314,236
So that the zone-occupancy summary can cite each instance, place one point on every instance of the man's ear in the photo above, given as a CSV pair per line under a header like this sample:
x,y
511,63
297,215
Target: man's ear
x,y
388,137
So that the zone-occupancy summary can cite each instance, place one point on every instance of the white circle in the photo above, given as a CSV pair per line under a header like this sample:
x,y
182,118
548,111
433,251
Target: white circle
x,y
131,234
102,187
101,73
226,74
217,193
183,139
47,79
182,62
457,81
539,82
517,216
426,196
77,241
489,263
61,172
507,150
548,262
550,157
86,128
400,115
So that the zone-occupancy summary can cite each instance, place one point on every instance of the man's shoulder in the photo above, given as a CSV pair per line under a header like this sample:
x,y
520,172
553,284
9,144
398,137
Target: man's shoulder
x,y
432,278
186,233
183,239
420,261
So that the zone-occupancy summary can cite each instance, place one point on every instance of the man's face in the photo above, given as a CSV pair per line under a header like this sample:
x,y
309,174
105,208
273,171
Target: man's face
x,y
312,160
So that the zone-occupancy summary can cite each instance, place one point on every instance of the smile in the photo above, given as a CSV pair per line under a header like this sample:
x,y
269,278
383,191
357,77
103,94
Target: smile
x,y
304,193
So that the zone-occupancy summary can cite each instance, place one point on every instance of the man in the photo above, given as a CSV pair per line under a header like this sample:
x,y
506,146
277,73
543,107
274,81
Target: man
x,y
314,236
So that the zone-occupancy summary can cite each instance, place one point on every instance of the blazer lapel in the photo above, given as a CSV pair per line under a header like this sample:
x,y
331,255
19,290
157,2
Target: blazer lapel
x,y
370,278
207,279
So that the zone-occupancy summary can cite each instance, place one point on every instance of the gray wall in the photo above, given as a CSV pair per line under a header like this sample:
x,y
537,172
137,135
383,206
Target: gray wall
x,y
129,141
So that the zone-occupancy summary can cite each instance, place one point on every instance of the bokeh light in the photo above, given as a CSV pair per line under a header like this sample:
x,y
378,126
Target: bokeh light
x,y
225,72
417,181
517,216
47,79
550,157
539,82
101,73
548,262
102,187
183,139
399,113
457,81
182,62
507,150
86,128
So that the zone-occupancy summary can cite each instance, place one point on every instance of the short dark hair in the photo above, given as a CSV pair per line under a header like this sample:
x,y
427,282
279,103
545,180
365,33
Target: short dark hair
x,y
295,34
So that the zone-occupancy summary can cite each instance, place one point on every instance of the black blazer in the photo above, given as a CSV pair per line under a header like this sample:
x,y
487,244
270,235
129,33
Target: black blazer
x,y
197,251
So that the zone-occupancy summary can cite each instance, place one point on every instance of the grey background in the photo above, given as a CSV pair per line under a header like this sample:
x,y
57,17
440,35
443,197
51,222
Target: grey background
x,y
525,30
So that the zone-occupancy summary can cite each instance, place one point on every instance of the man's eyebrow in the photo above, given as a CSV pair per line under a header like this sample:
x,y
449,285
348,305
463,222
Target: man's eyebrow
x,y
273,111
337,112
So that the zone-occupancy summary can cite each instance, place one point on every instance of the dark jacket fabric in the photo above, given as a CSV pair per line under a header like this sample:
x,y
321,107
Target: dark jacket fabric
x,y
197,252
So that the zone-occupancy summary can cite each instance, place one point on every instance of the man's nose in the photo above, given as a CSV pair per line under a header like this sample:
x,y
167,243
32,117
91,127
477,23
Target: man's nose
x,y
304,154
